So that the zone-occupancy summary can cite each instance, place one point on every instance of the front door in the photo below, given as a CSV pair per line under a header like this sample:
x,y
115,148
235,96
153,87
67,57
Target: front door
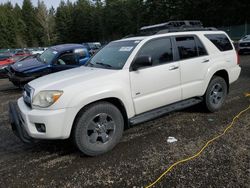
x,y
157,85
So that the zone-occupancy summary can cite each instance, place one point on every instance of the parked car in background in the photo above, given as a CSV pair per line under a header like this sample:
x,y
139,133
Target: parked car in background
x,y
5,55
38,50
54,59
10,58
92,47
244,45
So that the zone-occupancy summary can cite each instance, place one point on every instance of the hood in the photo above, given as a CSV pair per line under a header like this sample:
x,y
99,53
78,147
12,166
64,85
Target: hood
x,y
69,78
28,65
5,62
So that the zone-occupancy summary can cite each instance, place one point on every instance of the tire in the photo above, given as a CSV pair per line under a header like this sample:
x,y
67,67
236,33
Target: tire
x,y
98,128
215,94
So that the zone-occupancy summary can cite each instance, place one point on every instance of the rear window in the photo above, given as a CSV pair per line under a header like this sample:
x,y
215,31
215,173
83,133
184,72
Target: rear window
x,y
220,41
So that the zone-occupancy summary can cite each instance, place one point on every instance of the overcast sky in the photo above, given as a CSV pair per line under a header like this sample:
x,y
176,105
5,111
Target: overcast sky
x,y
49,3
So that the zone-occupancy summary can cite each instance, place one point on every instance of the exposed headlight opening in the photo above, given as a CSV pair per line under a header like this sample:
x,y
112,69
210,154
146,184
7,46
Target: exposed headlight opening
x,y
45,99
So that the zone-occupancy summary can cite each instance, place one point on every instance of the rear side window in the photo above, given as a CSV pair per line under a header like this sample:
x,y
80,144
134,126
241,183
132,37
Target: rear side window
x,y
186,47
220,41
160,50
200,47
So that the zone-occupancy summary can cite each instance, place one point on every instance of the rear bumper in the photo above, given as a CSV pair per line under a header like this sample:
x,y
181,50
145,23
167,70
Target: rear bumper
x,y
17,123
234,74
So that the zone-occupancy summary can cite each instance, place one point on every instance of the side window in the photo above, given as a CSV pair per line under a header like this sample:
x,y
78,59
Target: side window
x,y
186,47
80,53
220,41
67,58
201,49
160,50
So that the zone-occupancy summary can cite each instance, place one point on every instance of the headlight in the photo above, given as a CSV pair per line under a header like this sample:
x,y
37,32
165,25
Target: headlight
x,y
46,98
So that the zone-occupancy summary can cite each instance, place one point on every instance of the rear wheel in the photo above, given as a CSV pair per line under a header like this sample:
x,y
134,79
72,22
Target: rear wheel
x,y
98,128
215,94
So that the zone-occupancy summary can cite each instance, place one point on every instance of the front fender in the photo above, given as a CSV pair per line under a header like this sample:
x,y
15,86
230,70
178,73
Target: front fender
x,y
83,99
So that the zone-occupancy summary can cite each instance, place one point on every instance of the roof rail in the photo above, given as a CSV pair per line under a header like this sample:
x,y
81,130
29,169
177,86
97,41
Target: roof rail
x,y
171,30
172,26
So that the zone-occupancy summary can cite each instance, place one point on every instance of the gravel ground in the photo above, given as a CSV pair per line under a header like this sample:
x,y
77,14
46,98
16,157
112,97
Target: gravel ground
x,y
143,153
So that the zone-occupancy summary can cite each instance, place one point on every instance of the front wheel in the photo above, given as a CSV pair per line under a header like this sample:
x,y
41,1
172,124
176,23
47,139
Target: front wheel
x,y
215,94
98,128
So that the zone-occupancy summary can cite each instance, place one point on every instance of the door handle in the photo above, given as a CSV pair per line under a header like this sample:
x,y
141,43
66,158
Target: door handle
x,y
173,67
205,61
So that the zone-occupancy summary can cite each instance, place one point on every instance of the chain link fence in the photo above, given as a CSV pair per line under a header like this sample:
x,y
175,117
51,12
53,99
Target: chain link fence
x,y
236,32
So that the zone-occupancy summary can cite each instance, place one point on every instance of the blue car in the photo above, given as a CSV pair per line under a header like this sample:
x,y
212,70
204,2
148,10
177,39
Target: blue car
x,y
54,59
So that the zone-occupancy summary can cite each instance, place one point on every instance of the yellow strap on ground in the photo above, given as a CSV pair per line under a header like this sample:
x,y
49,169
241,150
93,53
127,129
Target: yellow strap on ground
x,y
247,94
202,149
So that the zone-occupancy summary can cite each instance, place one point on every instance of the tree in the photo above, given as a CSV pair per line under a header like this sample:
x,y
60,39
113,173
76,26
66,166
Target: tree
x,y
46,22
28,16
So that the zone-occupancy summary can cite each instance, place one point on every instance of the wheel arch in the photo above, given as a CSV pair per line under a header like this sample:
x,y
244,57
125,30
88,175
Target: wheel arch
x,y
224,74
115,101
221,73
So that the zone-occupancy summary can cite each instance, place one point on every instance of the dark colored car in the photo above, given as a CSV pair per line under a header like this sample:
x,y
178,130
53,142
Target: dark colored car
x,y
92,47
54,59
244,45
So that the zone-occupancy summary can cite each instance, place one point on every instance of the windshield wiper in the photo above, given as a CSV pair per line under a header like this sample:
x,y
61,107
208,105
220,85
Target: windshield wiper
x,y
104,65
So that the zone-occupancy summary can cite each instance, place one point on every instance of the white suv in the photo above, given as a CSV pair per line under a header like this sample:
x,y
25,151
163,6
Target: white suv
x,y
127,82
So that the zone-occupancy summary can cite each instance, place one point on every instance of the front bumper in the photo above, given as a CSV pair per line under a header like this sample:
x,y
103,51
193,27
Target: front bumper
x,y
3,73
17,123
17,79
58,123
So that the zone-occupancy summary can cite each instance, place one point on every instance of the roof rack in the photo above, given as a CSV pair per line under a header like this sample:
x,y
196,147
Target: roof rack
x,y
170,30
177,23
172,26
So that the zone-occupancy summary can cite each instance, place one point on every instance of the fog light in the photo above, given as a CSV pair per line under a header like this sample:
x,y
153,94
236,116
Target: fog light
x,y
40,127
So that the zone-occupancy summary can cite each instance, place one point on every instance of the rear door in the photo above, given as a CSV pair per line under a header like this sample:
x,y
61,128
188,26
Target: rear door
x,y
194,62
159,84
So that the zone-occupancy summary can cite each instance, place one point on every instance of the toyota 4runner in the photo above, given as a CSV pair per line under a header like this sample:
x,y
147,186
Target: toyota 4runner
x,y
127,82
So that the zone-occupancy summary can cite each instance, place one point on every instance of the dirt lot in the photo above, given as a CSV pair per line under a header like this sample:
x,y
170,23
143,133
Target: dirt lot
x,y
143,153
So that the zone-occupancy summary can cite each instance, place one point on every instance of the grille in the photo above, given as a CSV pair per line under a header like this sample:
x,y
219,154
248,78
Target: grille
x,y
27,95
245,44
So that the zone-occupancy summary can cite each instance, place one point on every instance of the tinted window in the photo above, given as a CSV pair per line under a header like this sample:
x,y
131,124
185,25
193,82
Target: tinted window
x,y
220,41
186,47
67,59
160,51
201,49
80,53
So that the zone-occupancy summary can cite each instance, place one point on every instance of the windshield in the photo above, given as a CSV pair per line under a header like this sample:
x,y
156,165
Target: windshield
x,y
114,55
47,56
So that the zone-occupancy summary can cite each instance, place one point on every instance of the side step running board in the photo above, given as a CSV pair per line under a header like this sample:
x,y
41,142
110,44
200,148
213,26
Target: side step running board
x,y
146,116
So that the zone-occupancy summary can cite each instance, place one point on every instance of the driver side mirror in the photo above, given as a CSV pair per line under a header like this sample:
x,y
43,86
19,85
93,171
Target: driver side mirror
x,y
141,61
